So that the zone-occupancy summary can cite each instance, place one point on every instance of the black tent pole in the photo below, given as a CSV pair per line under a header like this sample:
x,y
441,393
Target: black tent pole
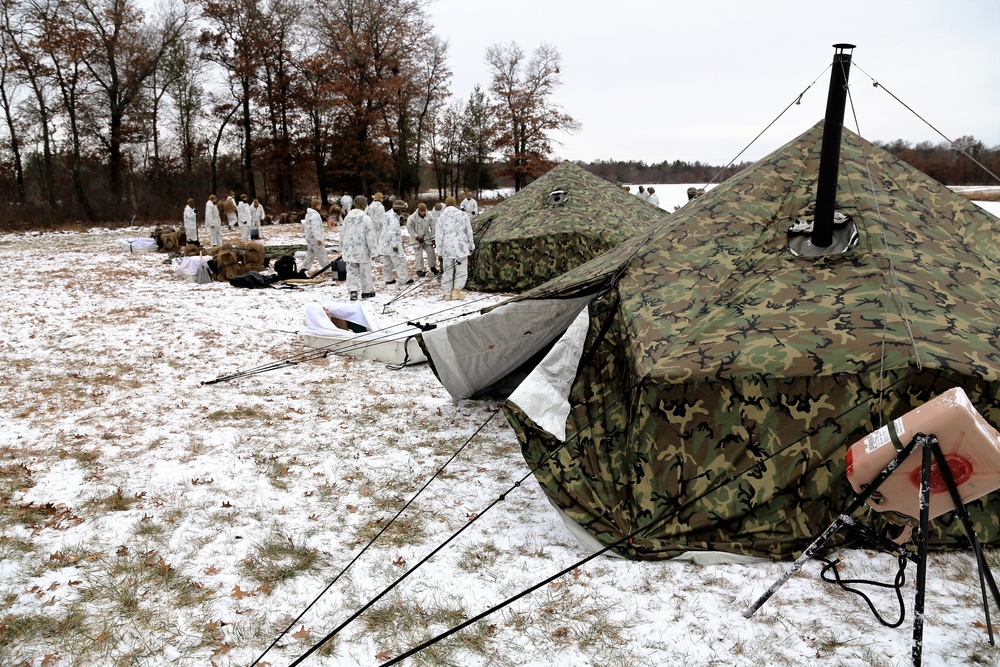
x,y
829,159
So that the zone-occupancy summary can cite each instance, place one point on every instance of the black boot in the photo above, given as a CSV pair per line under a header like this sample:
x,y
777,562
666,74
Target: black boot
x,y
367,295
354,296
421,274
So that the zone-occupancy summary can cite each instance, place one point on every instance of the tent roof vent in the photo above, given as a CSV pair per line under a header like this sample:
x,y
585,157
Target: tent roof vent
x,y
557,198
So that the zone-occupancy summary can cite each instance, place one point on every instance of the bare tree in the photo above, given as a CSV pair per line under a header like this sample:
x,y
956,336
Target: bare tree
x,y
21,34
282,25
237,31
67,45
431,79
183,69
479,134
127,52
524,88
371,47
8,91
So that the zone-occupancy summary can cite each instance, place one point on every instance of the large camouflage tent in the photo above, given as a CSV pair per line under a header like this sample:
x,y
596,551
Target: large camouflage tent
x,y
702,383
564,218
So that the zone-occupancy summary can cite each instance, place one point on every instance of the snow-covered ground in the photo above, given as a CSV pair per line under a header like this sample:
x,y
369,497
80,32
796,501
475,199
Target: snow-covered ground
x,y
147,518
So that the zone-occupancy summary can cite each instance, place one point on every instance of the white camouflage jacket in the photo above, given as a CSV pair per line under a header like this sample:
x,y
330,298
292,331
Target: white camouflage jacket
x,y
453,236
313,224
392,236
212,216
420,227
376,211
358,241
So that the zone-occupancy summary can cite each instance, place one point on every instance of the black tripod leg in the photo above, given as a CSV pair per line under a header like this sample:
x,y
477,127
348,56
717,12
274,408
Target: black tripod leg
x,y
925,511
839,522
985,575
810,551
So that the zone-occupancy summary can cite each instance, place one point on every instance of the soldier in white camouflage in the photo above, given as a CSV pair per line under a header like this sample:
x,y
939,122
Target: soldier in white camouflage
x,y
391,246
358,244
315,231
453,238
191,223
213,220
421,227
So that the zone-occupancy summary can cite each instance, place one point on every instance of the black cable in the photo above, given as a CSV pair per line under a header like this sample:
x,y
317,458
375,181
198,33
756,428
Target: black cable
x,y
877,84
896,585
797,100
448,540
382,530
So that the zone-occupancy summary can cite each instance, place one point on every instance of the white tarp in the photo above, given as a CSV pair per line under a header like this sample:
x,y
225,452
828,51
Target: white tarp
x,y
187,267
318,322
146,244
395,344
544,394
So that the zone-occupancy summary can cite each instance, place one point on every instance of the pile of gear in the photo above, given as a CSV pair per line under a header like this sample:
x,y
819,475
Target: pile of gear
x,y
169,239
229,261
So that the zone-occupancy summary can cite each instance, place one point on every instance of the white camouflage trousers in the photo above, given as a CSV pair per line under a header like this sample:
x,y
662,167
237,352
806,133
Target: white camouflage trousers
x,y
421,249
455,274
359,277
315,250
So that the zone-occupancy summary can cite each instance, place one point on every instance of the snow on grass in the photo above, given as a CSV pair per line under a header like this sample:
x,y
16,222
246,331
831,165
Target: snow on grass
x,y
148,519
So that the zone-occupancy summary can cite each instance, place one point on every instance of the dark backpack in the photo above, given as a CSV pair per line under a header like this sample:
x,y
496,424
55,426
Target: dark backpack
x,y
285,268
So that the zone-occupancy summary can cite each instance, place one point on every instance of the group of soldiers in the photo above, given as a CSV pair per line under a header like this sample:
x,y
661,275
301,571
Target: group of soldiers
x,y
369,232
372,232
647,194
248,217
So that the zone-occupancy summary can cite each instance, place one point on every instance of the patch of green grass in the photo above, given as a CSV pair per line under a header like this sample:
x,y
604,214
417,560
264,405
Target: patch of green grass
x,y
278,559
276,470
14,477
118,500
408,529
478,557
240,412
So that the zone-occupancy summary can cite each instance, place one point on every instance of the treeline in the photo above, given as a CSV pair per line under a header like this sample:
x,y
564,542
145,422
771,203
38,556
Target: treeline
x,y
950,164
944,162
109,113
678,171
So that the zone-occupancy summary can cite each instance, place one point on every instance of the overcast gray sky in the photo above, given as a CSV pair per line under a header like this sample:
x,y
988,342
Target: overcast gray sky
x,y
697,80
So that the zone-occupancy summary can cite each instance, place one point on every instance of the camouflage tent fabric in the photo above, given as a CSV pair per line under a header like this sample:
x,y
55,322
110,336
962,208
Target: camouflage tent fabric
x,y
723,377
534,236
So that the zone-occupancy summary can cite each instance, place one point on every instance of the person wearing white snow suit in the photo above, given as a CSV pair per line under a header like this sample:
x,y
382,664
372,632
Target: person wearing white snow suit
x,y
421,226
243,218
453,238
191,223
345,204
654,198
358,244
391,246
376,211
256,217
213,220
469,205
314,229
230,206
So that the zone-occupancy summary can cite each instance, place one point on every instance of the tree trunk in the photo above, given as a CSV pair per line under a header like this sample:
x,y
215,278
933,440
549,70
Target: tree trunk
x,y
248,142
